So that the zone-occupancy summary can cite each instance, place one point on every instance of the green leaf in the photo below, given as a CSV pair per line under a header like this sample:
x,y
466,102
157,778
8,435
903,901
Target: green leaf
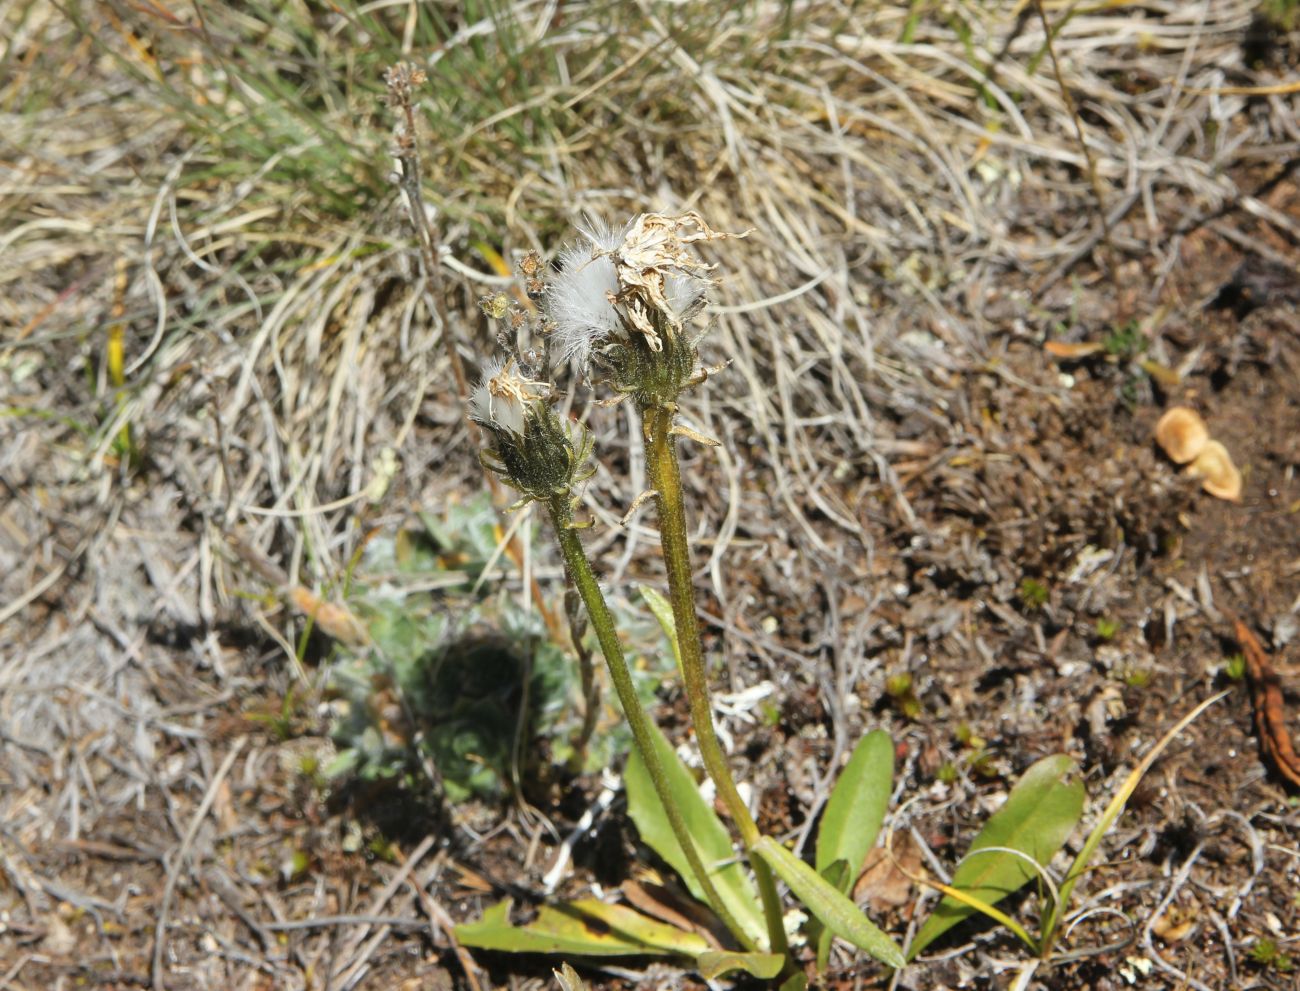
x,y
344,762
795,982
856,807
835,911
837,874
1038,817
583,928
851,822
715,963
663,611
711,837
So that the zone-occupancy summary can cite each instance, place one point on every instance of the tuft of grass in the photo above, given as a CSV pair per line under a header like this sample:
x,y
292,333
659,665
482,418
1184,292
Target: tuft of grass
x,y
1125,342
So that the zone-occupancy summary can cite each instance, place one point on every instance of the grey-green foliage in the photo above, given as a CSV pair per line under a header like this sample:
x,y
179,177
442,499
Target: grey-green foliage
x,y
444,679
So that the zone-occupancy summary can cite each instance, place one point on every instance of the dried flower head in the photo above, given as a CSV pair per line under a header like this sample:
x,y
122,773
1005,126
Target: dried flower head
x,y
402,80
531,448
643,280
656,249
500,401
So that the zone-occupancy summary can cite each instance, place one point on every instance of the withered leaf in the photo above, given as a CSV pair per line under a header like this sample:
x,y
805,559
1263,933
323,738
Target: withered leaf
x,y
1266,694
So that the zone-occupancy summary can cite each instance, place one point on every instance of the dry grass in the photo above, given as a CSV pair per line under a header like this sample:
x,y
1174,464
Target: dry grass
x,y
902,165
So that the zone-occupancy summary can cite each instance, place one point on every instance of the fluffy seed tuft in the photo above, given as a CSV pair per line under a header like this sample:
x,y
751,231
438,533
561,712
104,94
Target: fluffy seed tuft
x,y
500,400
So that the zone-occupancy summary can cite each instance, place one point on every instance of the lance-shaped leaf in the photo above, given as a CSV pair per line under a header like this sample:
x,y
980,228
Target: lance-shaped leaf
x,y
837,875
588,928
856,807
851,822
1038,817
832,908
712,840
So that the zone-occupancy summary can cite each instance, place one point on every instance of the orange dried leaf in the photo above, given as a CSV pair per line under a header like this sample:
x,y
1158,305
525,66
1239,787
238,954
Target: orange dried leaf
x,y
334,620
1072,352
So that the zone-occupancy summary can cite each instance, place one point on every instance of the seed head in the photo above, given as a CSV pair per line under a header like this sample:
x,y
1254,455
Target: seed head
x,y
581,298
642,281
500,401
656,249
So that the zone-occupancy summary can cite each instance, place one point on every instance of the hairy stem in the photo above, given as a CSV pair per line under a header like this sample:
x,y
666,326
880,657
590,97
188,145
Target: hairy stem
x,y
665,477
584,580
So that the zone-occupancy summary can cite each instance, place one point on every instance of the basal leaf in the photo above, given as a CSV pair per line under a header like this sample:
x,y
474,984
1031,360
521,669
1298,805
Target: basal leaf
x,y
831,906
712,840
837,874
715,963
856,807
1038,817
582,928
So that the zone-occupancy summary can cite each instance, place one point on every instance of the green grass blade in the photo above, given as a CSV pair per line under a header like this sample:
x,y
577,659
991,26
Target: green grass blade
x,y
984,908
587,928
1108,818
663,612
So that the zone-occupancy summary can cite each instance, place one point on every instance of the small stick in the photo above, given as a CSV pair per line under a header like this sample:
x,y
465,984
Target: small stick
x,y
1093,178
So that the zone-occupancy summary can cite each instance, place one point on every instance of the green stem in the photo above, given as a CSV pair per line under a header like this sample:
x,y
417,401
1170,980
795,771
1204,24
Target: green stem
x,y
665,477
584,580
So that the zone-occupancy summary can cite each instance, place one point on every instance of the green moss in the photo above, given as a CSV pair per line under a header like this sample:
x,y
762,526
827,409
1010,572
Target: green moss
x,y
1033,593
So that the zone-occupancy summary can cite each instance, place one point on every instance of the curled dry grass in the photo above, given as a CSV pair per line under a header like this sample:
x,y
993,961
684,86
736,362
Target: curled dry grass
x,y
209,186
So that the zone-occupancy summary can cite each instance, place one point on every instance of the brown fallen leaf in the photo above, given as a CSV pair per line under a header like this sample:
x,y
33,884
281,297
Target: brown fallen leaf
x,y
884,883
1266,694
334,620
667,905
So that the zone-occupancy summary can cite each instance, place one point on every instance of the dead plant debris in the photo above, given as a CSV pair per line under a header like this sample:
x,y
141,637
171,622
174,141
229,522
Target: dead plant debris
x,y
1270,713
